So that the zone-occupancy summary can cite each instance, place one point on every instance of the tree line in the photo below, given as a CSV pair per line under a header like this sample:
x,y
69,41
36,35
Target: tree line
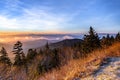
x,y
54,58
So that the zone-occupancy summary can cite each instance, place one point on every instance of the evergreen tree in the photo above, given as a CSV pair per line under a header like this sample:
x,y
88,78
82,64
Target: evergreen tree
x,y
4,56
47,46
47,50
107,41
24,62
103,41
31,54
18,51
56,58
18,60
49,61
112,39
117,38
90,41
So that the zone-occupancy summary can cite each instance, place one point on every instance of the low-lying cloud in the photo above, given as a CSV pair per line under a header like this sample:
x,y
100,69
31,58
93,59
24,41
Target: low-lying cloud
x,y
33,37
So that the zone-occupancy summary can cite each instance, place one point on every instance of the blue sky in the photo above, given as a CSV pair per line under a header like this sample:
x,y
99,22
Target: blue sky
x,y
60,16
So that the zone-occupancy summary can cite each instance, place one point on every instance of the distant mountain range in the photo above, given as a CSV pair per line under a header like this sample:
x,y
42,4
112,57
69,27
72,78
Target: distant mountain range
x,y
53,43
27,44
65,43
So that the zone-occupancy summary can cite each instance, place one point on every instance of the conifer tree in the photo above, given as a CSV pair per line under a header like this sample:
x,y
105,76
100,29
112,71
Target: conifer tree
x,y
24,62
90,41
31,54
103,40
47,50
4,56
107,41
117,38
56,58
47,46
49,61
112,39
18,51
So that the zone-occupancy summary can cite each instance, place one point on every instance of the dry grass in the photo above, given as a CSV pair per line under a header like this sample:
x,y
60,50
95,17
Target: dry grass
x,y
75,68
81,67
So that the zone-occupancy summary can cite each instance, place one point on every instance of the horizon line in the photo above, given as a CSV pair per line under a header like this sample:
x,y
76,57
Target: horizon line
x,y
38,32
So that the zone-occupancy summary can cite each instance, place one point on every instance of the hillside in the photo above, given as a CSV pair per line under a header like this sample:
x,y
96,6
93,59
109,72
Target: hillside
x,y
66,43
27,44
90,67
95,65
61,44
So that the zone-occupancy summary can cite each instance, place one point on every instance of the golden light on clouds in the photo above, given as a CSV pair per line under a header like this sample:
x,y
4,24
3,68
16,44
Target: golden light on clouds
x,y
10,37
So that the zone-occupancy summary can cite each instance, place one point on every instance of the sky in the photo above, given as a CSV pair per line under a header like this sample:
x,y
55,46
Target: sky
x,y
59,16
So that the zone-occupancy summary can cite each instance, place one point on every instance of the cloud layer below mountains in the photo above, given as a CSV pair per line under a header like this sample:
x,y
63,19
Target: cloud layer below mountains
x,y
34,37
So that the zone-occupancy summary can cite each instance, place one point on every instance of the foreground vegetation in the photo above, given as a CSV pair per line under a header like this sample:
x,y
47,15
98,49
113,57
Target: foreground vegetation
x,y
82,67
62,63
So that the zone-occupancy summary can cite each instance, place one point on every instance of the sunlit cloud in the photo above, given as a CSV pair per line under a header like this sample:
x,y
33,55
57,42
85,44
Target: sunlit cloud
x,y
23,39
32,19
67,37
7,23
33,37
57,16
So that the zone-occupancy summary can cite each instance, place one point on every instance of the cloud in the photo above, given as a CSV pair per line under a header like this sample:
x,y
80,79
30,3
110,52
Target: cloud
x,y
6,23
41,19
18,38
35,19
28,37
18,15
67,37
12,4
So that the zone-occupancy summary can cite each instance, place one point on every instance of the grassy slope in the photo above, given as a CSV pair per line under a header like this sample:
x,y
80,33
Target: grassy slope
x,y
83,67
75,68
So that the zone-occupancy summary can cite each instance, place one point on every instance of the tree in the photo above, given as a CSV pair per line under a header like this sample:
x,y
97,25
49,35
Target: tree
x,y
4,56
18,51
24,62
56,58
49,61
117,38
112,39
47,50
90,41
31,54
107,41
47,46
18,60
103,41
